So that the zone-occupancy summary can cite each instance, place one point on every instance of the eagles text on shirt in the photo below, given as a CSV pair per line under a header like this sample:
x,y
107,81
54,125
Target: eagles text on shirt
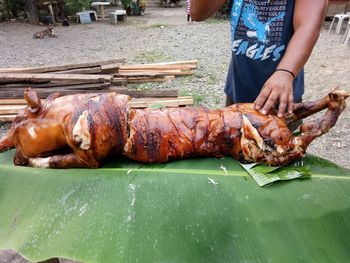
x,y
257,29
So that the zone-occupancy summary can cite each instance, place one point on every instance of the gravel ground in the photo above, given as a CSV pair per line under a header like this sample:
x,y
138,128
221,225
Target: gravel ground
x,y
164,35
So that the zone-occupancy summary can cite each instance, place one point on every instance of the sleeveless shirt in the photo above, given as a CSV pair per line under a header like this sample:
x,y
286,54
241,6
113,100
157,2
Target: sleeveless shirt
x,y
260,33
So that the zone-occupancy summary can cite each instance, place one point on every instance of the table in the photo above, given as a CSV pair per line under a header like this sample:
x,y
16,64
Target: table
x,y
101,7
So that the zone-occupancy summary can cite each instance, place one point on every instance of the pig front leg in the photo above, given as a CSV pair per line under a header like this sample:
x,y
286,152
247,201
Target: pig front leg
x,y
59,161
305,109
313,129
19,159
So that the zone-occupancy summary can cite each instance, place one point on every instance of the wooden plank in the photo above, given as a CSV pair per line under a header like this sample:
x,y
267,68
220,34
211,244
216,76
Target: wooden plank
x,y
166,102
92,70
63,67
15,70
119,81
120,90
150,70
147,79
191,64
145,93
13,77
180,62
51,84
7,117
55,86
110,66
142,73
44,93
13,102
124,80
107,64
159,67
10,109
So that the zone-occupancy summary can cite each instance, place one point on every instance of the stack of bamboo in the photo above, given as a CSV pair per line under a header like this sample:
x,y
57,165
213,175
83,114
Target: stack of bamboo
x,y
102,76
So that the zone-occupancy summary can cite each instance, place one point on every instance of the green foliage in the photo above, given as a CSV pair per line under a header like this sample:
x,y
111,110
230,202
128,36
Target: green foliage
x,y
74,6
224,12
212,79
183,93
152,57
226,8
197,98
168,3
159,25
43,14
127,4
216,19
15,7
136,7
141,86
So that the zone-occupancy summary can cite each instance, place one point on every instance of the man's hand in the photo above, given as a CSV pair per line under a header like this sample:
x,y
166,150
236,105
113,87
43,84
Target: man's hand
x,y
307,21
277,89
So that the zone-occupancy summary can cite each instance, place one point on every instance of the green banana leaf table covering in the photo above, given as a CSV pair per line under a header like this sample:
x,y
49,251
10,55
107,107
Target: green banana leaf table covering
x,y
182,211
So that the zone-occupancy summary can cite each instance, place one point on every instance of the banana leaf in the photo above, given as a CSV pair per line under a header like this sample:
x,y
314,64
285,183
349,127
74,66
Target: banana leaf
x,y
182,211
264,174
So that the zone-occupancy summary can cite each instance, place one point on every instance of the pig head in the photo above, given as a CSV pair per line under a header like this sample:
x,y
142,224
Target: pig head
x,y
78,130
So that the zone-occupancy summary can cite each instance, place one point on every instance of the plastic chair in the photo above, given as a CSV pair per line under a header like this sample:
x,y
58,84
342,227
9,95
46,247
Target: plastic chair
x,y
113,16
340,18
85,17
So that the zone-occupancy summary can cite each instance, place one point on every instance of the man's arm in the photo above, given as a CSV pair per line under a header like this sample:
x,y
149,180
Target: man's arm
x,y
203,9
308,19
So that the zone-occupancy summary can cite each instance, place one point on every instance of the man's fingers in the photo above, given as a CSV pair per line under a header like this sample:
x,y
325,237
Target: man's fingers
x,y
271,101
282,106
290,103
260,100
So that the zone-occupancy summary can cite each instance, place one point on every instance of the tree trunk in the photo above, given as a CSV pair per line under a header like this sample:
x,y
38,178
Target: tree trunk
x,y
32,11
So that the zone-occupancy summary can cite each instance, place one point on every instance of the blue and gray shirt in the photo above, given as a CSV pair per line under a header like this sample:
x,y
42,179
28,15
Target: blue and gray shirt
x,y
260,33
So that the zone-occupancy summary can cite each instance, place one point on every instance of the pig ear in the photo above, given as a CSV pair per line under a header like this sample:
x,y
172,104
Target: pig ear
x,y
52,97
33,100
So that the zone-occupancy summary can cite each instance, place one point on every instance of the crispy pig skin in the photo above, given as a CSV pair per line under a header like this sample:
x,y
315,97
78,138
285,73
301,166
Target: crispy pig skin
x,y
83,130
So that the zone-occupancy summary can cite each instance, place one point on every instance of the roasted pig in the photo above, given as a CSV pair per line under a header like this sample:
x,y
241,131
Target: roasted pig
x,y
83,130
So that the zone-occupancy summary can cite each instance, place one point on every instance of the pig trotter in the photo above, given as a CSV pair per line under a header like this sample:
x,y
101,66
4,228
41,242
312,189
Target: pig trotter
x,y
58,161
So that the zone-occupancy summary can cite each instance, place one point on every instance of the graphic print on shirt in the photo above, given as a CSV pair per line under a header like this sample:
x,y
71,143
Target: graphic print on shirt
x,y
257,29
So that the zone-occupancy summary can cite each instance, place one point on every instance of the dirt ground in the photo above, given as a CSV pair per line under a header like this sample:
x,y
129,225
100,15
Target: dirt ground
x,y
164,35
